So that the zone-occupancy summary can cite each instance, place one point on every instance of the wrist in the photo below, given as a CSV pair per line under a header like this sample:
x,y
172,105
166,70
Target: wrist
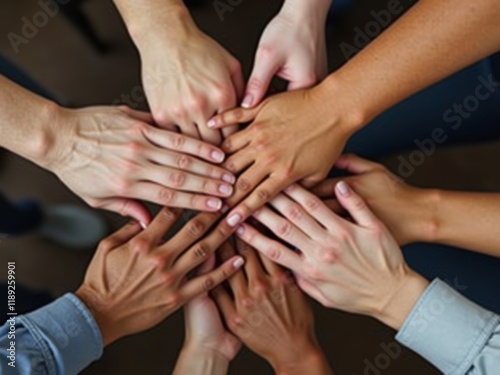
x,y
396,305
428,223
199,360
40,145
174,23
345,115
303,361
103,320
301,8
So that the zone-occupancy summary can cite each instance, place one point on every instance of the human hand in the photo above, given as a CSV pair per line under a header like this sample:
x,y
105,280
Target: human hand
x,y
112,157
281,147
204,327
356,267
135,280
271,315
188,77
292,47
407,211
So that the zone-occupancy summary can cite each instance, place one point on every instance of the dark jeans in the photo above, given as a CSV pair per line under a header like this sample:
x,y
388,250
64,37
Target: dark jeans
x,y
474,275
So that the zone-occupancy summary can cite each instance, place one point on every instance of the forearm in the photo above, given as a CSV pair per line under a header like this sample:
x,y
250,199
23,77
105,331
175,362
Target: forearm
x,y
468,220
194,361
26,122
430,42
141,17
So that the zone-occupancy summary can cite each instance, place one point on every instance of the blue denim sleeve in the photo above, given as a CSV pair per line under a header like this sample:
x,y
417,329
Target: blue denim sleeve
x,y
451,332
61,338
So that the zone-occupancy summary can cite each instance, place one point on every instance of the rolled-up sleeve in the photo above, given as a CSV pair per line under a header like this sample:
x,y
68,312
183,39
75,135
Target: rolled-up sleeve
x,y
454,334
60,338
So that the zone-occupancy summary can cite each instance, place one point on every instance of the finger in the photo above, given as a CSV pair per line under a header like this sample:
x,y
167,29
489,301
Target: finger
x,y
259,195
205,283
121,236
356,165
282,228
203,249
355,205
183,144
312,290
238,81
253,268
185,181
335,206
189,163
265,67
294,212
326,189
273,250
306,79
237,141
206,267
190,233
230,130
164,196
208,135
237,282
232,117
189,129
238,162
224,302
138,115
263,262
126,207
311,204
161,224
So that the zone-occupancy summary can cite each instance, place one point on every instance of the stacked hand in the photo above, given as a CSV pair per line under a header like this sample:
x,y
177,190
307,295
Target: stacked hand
x,y
353,266
113,158
136,279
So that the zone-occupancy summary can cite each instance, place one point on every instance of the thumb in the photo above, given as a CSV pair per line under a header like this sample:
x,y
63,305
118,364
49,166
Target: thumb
x,y
265,67
127,207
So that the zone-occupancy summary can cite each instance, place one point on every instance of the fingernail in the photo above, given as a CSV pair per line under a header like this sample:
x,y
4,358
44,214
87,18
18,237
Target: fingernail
x,y
238,262
214,203
226,189
234,220
143,225
229,178
343,189
247,101
217,155
240,230
211,123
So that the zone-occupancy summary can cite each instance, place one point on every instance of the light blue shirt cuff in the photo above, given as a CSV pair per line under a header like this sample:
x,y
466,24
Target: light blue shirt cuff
x,y
66,333
447,329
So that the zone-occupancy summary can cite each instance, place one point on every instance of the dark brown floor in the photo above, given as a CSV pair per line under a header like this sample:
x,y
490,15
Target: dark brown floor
x,y
64,63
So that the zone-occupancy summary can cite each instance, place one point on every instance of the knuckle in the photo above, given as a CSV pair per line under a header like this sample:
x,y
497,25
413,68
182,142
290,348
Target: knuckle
x,y
122,187
167,216
166,196
284,229
207,284
257,127
195,228
273,253
294,213
105,245
259,287
178,141
173,301
235,322
161,117
201,251
223,230
230,166
221,95
197,104
139,245
135,149
263,195
312,204
177,179
244,185
358,204
183,161
178,111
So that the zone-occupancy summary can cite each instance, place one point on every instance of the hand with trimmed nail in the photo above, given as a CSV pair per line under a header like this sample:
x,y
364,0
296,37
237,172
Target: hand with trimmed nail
x,y
353,266
291,139
292,47
207,339
136,280
407,211
269,313
112,157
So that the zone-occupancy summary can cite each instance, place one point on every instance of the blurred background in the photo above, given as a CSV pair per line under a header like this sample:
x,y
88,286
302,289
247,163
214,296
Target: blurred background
x,y
83,57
